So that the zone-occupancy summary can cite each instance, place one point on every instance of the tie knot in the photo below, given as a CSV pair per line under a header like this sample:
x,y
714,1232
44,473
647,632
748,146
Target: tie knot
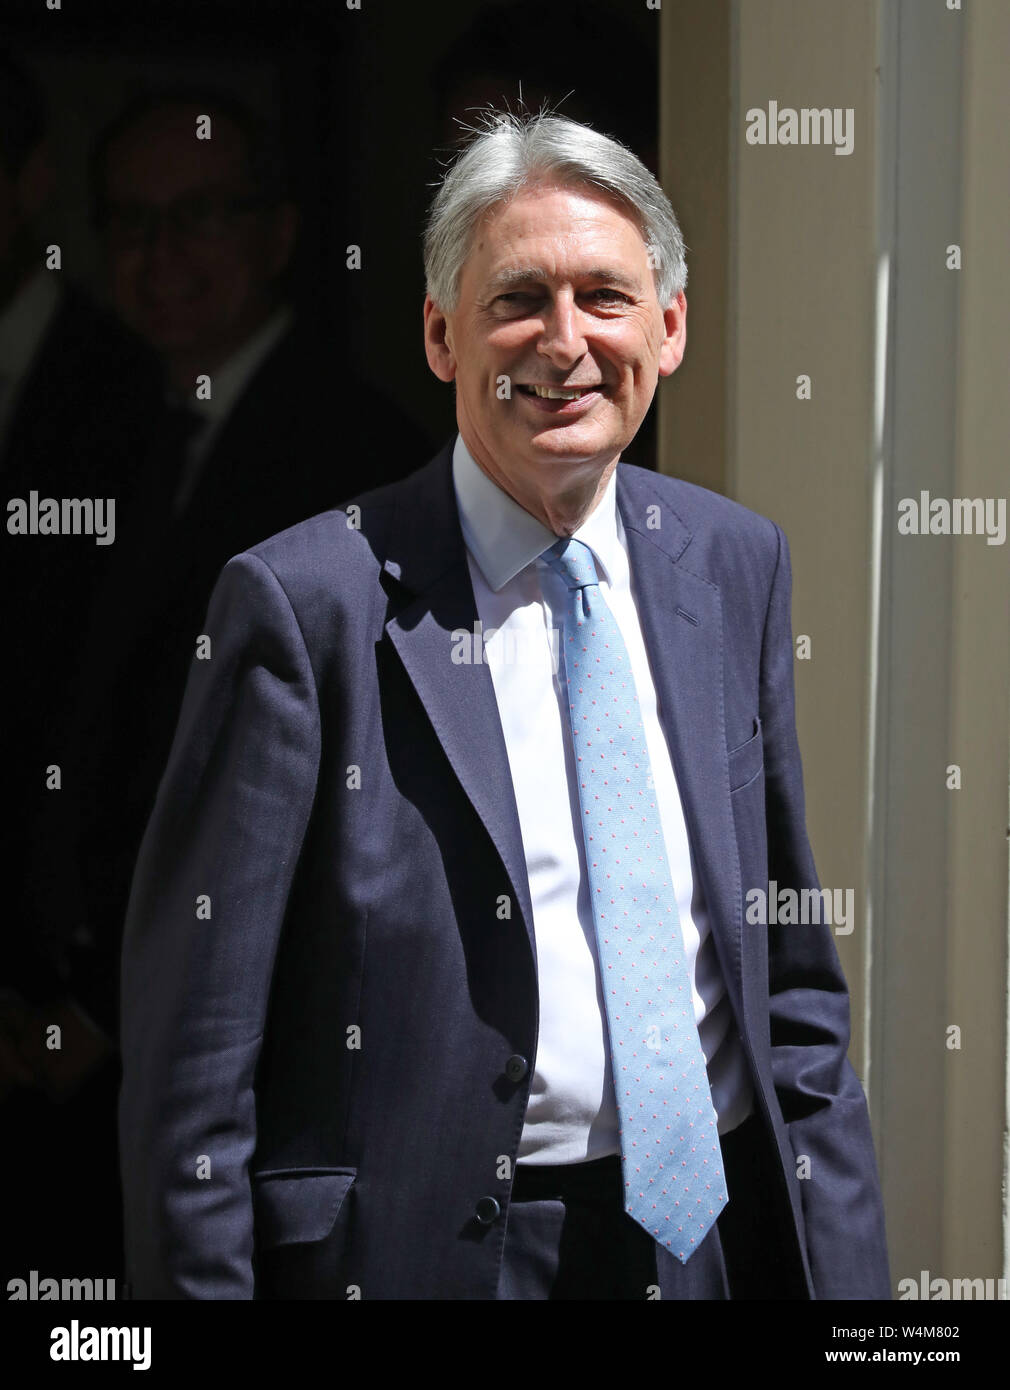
x,y
573,560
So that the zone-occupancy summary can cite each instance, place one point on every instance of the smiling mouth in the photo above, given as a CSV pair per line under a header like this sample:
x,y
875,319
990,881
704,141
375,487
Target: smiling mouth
x,y
560,393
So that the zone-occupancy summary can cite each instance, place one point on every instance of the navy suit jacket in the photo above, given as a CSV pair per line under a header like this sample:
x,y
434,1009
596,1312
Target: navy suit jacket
x,y
329,954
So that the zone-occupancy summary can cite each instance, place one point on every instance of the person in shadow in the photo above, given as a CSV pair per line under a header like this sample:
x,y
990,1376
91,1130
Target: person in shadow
x,y
265,420
77,390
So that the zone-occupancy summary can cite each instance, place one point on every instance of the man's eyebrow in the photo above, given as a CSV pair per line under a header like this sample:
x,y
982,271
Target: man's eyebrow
x,y
514,276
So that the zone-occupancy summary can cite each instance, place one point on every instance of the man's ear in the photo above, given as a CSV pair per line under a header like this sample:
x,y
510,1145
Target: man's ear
x,y
675,335
437,341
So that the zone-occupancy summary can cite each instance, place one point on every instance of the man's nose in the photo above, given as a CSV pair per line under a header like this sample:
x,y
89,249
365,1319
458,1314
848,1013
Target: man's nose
x,y
563,337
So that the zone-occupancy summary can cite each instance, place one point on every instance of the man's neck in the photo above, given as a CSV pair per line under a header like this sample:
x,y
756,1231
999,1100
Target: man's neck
x,y
562,510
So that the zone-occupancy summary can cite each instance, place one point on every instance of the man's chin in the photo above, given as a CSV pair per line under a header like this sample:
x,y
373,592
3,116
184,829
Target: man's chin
x,y
569,444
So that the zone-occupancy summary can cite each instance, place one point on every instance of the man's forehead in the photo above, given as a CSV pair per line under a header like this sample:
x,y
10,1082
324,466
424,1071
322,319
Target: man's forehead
x,y
605,247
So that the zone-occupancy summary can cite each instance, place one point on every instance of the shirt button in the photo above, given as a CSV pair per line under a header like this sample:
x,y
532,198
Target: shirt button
x,y
516,1067
487,1210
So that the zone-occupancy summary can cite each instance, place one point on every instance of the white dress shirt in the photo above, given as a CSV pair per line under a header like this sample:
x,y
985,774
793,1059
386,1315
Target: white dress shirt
x,y
572,1111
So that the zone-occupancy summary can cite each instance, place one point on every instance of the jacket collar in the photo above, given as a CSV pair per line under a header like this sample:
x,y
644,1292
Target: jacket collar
x,y
427,536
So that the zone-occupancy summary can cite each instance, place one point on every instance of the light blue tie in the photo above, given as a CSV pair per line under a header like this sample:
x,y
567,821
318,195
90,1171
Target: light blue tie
x,y
670,1155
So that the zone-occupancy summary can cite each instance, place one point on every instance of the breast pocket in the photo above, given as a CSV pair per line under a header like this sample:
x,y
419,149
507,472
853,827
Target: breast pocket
x,y
747,760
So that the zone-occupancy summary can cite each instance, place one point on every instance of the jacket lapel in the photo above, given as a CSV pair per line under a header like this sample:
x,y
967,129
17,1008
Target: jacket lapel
x,y
681,616
427,560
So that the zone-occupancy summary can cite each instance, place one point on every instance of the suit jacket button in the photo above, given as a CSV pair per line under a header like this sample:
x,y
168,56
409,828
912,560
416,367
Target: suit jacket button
x,y
488,1208
516,1067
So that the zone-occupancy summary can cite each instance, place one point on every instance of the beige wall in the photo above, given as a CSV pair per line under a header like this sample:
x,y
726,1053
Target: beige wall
x,y
779,286
980,674
804,304
695,154
792,257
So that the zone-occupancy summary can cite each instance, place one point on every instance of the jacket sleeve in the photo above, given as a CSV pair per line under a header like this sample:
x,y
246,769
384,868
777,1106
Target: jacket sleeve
x,y
206,908
822,1100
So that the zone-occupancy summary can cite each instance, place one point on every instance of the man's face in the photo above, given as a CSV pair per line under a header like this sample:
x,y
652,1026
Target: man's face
x,y
557,291
189,266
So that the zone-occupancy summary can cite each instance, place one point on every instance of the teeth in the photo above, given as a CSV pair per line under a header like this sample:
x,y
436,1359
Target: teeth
x,y
548,393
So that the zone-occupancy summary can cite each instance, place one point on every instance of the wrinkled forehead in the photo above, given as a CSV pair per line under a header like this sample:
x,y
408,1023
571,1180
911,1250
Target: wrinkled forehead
x,y
592,231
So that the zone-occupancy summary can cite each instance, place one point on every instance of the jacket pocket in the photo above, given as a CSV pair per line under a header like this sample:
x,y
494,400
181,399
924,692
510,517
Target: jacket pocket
x,y
294,1206
746,761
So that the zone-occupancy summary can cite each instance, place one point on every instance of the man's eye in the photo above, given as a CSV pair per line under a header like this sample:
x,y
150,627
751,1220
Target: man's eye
x,y
524,296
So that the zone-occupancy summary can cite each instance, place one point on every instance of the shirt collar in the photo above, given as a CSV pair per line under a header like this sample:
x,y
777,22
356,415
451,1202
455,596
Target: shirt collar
x,y
504,538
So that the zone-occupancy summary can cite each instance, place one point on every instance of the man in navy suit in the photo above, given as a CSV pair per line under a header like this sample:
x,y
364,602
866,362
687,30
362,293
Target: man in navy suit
x,y
366,1048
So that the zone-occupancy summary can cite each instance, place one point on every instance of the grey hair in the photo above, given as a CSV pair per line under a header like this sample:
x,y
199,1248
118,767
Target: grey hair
x,y
511,152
